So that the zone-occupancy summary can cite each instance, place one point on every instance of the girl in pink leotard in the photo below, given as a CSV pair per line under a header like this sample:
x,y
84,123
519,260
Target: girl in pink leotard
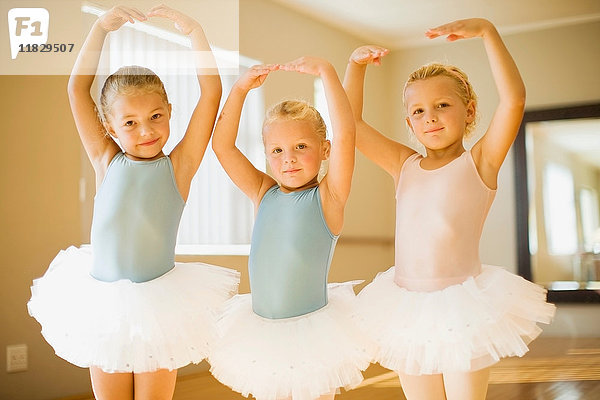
x,y
439,317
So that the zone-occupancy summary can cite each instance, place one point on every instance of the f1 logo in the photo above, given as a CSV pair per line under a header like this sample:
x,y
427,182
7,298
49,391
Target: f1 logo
x,y
27,26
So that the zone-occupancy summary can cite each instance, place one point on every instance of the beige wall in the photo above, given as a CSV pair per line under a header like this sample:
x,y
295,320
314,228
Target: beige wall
x,y
40,212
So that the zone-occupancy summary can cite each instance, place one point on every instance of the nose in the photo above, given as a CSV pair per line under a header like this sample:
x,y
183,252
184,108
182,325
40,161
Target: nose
x,y
431,117
290,157
145,130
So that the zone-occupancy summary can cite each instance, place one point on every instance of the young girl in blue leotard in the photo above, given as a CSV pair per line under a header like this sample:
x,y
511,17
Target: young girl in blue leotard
x,y
291,337
125,309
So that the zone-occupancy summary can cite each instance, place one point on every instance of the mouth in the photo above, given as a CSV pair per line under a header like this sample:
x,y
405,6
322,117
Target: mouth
x,y
291,171
435,130
150,143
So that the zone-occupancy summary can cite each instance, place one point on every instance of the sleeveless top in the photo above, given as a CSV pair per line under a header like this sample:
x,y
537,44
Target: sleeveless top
x,y
439,219
290,254
136,216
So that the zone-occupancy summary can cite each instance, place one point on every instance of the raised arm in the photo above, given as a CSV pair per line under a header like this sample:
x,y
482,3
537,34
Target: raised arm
x,y
383,151
188,154
99,146
489,153
335,186
251,181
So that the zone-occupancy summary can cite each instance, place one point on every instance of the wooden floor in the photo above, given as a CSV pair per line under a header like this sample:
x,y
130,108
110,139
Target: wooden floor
x,y
554,369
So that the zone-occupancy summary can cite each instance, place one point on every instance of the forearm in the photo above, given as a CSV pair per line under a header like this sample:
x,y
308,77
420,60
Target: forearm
x,y
354,86
340,111
227,126
507,78
206,64
84,70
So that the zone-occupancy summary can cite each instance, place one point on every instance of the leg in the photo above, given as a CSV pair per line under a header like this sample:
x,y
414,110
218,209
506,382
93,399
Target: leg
x,y
111,386
422,387
329,396
158,385
467,385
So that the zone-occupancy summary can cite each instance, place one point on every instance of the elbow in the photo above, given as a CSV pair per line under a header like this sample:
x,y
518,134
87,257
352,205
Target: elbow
x,y
520,97
358,119
217,144
212,89
519,100
76,89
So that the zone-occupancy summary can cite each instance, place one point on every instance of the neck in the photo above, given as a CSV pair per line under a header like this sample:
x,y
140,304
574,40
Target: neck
x,y
308,185
135,158
447,153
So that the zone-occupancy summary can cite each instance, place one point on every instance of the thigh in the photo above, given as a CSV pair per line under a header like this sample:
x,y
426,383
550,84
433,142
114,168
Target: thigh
x,y
467,385
109,386
158,385
422,387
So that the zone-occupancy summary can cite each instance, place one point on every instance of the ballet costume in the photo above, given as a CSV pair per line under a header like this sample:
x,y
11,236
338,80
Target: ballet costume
x,y
293,335
123,304
439,310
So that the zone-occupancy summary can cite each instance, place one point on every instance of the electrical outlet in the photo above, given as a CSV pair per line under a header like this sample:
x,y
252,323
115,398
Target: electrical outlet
x,y
16,358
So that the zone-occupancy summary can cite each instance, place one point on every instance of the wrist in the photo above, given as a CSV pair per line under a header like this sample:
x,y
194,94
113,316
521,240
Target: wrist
x,y
97,26
353,63
239,89
488,29
326,68
195,28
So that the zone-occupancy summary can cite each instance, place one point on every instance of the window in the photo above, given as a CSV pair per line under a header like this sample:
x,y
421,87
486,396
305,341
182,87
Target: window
x,y
588,203
559,210
218,217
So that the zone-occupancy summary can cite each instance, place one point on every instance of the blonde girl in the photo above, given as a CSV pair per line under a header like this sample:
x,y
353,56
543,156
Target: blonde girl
x,y
124,308
293,336
439,317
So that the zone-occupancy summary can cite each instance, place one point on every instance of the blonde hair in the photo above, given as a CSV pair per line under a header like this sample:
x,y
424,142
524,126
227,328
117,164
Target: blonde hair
x,y
127,81
463,86
297,110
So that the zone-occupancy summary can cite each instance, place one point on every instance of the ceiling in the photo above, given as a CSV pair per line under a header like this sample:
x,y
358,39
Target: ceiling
x,y
402,23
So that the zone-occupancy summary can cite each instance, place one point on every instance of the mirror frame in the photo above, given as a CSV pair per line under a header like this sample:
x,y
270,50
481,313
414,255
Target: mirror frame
x,y
522,196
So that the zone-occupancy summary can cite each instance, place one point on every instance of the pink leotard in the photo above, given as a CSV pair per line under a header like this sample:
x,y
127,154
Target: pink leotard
x,y
439,219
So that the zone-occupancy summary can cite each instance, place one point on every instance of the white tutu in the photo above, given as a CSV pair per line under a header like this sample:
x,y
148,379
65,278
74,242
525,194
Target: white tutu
x,y
125,326
463,327
303,357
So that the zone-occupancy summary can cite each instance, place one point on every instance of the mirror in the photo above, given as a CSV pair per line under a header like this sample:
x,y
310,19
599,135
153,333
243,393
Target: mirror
x,y
557,176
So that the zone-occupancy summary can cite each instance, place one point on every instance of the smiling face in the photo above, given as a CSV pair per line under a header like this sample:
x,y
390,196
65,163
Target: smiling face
x,y
436,113
141,123
294,152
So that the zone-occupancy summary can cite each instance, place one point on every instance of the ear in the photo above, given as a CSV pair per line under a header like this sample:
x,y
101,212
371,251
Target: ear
x,y
326,150
108,127
170,109
471,112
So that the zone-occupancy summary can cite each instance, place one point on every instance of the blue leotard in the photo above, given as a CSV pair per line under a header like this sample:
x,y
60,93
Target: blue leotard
x,y
136,216
290,254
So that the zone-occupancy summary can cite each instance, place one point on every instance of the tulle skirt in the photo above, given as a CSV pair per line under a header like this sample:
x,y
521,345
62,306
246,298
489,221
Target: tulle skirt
x,y
301,357
123,326
464,327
